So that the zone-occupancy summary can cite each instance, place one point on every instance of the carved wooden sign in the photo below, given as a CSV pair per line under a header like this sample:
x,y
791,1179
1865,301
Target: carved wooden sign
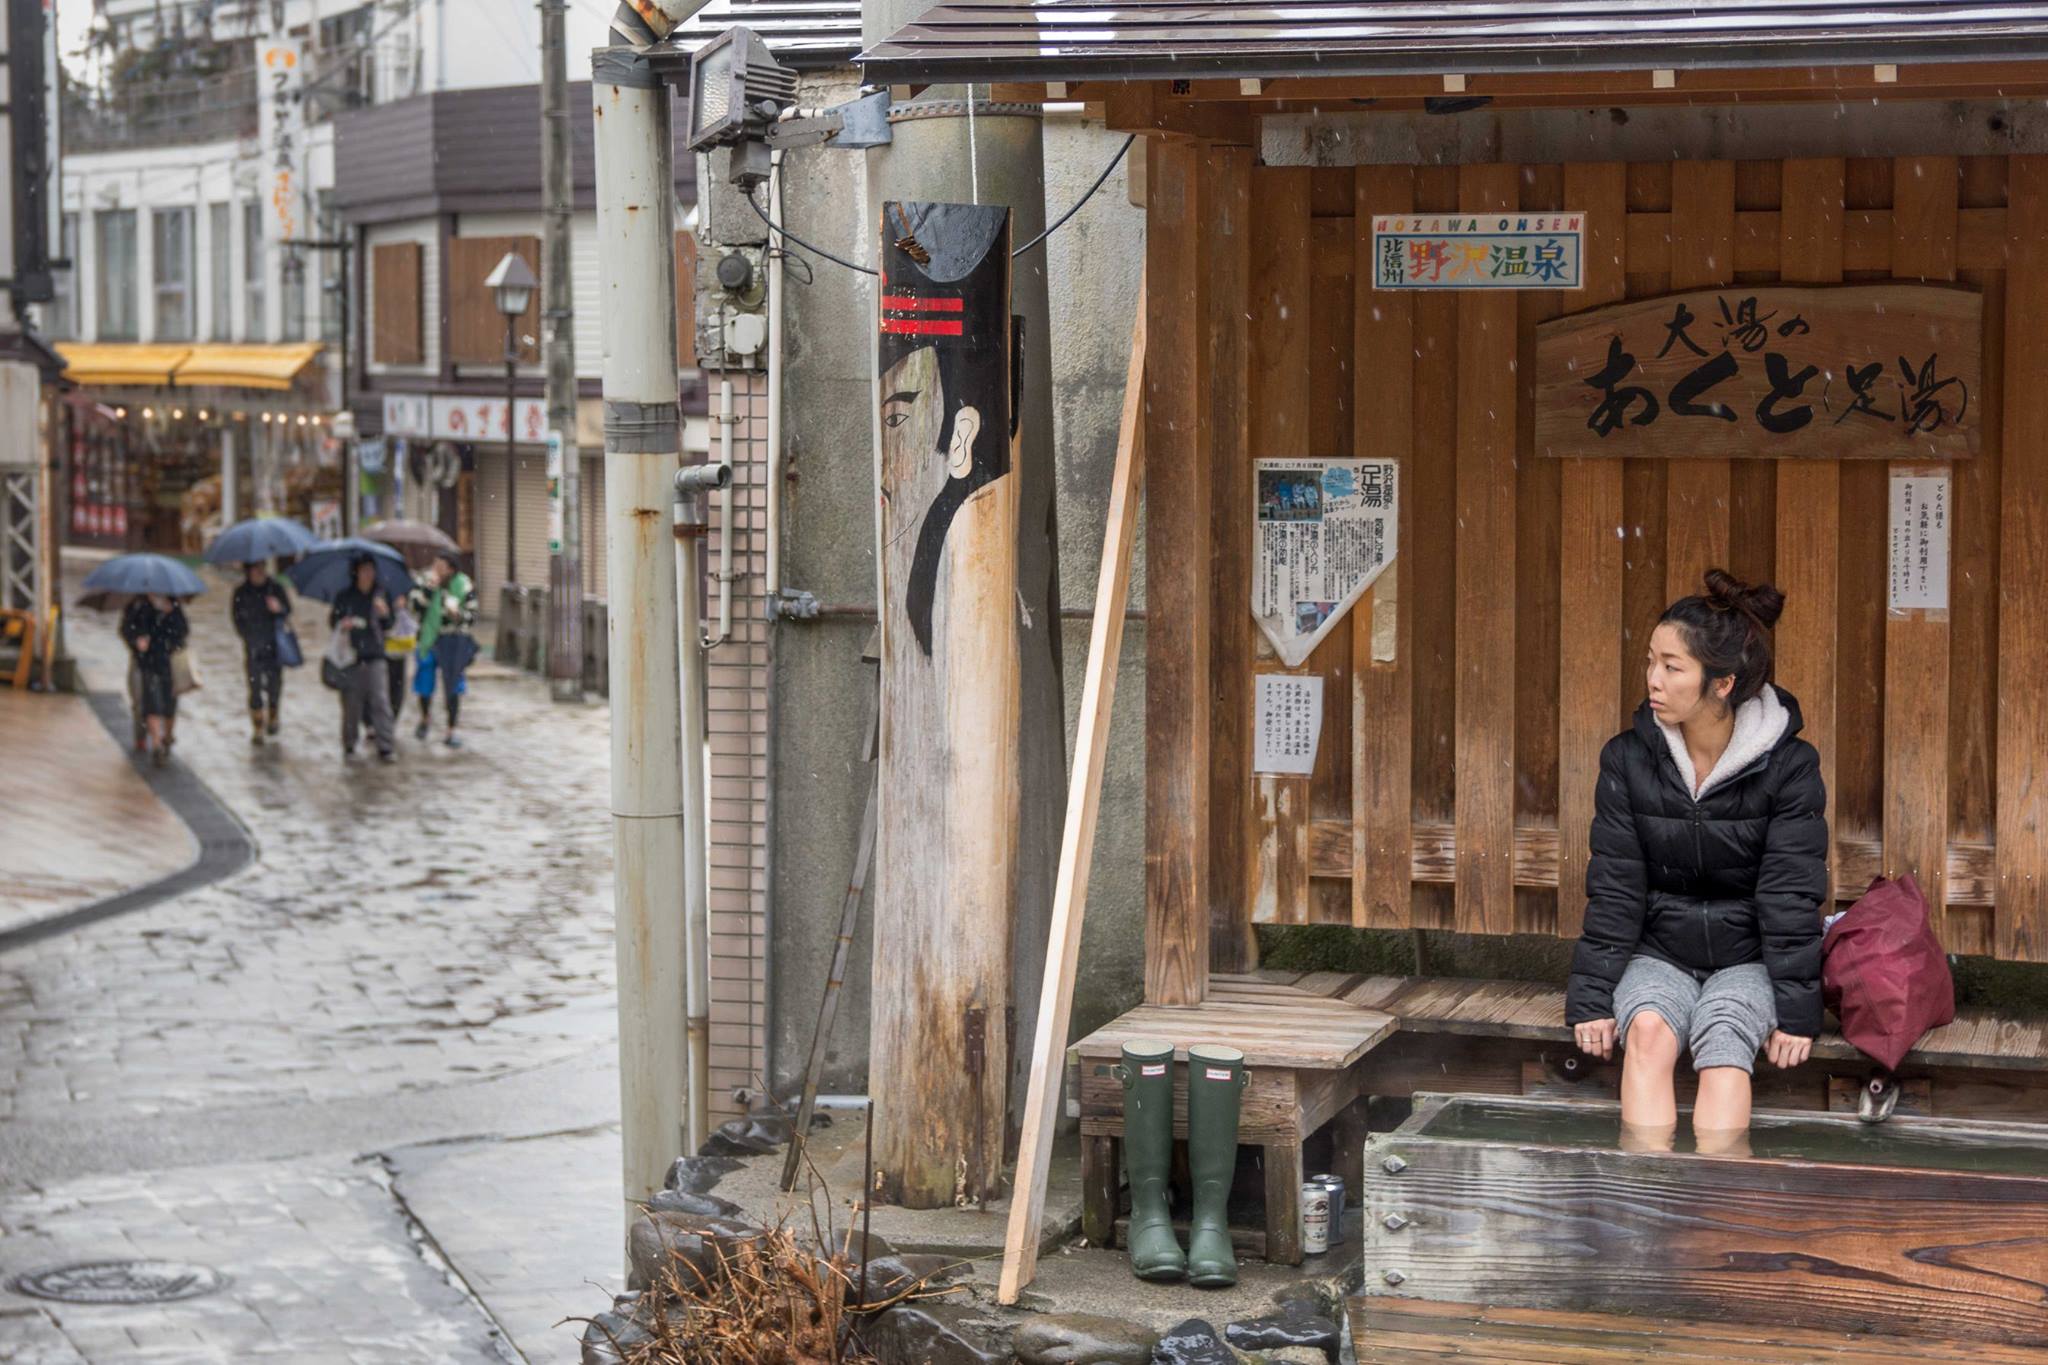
x,y
1855,372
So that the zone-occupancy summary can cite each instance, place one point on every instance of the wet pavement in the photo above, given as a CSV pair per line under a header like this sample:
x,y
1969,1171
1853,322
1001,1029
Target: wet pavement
x,y
420,952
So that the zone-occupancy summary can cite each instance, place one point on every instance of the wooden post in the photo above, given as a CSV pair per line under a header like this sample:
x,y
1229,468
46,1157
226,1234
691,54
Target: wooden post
x,y
1177,519
1077,841
946,897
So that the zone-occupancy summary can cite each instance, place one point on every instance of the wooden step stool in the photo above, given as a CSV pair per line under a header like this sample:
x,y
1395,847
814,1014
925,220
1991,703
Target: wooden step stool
x,y
1299,1049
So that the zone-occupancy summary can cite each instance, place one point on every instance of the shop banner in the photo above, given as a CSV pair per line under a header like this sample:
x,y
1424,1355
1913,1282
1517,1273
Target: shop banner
x,y
1477,251
483,419
1324,530
281,76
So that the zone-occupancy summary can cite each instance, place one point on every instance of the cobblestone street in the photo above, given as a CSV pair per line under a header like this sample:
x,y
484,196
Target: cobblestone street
x,y
419,952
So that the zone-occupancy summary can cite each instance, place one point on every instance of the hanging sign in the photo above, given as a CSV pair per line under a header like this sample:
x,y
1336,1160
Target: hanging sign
x,y
1477,250
281,72
1287,723
1920,509
1875,372
1324,530
554,492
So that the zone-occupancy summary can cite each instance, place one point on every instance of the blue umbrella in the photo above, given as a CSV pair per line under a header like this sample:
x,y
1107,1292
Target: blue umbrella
x,y
260,538
126,576
324,571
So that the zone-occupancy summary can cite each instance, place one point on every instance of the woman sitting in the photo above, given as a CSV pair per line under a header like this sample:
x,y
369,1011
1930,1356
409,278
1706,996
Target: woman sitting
x,y
1709,866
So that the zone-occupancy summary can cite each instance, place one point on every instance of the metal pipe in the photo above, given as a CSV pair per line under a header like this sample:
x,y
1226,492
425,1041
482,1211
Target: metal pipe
x,y
775,376
511,458
642,443
726,420
687,518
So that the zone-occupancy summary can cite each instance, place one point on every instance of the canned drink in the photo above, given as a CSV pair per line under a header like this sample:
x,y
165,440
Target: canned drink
x,y
1315,1218
1335,1185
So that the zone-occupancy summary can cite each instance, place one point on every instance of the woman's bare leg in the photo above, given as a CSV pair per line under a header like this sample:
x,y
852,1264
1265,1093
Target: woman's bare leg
x,y
1723,1104
1649,1097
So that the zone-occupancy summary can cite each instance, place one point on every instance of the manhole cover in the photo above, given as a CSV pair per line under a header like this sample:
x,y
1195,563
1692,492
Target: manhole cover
x,y
121,1282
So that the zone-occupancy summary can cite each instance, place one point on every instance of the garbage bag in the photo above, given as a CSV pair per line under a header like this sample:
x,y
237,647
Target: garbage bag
x,y
1884,973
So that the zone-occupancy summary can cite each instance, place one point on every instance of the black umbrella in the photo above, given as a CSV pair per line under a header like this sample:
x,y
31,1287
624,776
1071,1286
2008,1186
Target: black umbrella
x,y
324,571
126,576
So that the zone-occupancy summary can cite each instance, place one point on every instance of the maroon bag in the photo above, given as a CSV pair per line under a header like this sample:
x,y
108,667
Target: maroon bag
x,y
1884,974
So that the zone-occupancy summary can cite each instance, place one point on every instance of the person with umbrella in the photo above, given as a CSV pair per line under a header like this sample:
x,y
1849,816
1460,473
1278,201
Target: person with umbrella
x,y
154,626
443,601
260,609
361,609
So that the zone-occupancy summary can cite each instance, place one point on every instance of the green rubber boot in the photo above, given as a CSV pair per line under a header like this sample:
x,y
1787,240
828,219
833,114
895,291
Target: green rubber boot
x,y
1147,1075
1216,1080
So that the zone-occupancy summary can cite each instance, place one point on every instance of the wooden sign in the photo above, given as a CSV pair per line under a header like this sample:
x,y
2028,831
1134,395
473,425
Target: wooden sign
x,y
1857,372
946,847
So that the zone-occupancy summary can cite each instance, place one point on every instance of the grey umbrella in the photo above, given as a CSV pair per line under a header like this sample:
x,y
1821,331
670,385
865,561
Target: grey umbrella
x,y
126,576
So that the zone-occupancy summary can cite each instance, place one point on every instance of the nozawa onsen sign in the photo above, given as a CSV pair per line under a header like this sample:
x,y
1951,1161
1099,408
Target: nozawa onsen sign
x,y
1477,250
1873,372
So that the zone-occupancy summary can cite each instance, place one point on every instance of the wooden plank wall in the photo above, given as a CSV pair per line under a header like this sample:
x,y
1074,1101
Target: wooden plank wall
x,y
1468,696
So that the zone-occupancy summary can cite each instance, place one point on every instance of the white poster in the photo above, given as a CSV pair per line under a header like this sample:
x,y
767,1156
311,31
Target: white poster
x,y
408,414
1919,579
1288,723
554,492
1323,531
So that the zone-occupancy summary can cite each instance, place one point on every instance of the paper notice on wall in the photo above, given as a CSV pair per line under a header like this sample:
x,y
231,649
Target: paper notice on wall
x,y
1920,509
1288,722
1323,531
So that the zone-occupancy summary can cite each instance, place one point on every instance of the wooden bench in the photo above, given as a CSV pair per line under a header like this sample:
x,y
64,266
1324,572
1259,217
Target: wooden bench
x,y
1982,1065
1301,1048
1411,1332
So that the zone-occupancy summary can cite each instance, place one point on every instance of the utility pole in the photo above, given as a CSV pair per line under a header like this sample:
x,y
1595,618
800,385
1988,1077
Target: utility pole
x,y
558,341
925,1155
642,448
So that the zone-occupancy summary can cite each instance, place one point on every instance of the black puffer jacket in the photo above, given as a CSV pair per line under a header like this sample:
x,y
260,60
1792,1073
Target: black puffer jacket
x,y
1737,876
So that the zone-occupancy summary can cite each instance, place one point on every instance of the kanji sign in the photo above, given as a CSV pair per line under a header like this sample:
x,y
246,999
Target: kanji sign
x,y
1919,543
281,73
408,414
1288,723
1887,372
1477,250
483,419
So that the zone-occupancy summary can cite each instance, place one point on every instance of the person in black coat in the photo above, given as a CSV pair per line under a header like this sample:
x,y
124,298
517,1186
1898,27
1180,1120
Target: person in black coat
x,y
363,610
155,628
258,607
1707,877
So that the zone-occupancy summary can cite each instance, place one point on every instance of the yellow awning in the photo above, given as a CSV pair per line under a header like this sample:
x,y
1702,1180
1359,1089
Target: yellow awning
x,y
246,367
120,362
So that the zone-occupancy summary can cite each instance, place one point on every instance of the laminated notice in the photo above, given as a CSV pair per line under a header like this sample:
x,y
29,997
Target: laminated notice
x,y
1323,531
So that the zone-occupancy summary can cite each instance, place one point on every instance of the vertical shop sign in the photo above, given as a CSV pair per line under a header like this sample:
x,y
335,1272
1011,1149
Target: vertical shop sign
x,y
281,72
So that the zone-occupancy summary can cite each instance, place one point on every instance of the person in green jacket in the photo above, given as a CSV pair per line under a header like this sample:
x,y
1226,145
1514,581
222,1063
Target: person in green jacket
x,y
443,601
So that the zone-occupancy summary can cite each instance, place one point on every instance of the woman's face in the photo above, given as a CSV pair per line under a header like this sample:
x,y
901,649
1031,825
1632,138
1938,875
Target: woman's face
x,y
1674,678
366,574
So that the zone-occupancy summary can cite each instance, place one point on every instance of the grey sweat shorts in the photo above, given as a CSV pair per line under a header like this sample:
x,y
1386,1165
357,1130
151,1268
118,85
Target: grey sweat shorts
x,y
1725,1021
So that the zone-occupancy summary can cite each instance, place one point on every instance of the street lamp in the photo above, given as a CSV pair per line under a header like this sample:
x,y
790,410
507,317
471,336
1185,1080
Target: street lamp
x,y
512,282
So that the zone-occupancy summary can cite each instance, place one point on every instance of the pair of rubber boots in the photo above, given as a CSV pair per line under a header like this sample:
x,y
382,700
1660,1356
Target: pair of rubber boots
x,y
1216,1079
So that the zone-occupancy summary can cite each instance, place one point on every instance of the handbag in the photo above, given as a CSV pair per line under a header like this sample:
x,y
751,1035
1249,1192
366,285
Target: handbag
x,y
184,672
339,658
289,655
1884,974
402,633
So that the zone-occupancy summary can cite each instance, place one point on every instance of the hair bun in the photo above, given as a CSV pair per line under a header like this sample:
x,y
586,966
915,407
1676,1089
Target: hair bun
x,y
1762,603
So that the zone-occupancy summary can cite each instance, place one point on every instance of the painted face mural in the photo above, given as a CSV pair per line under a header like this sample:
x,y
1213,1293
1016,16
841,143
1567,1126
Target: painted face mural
x,y
946,384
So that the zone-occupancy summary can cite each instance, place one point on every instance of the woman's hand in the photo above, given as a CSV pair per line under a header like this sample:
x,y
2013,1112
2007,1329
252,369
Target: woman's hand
x,y
383,607
142,645
1786,1049
276,606
1595,1037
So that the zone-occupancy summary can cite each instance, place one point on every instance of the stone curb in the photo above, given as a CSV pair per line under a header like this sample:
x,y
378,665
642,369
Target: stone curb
x,y
225,844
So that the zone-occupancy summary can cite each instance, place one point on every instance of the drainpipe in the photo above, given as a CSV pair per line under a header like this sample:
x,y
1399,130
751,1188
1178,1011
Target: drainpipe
x,y
642,447
692,482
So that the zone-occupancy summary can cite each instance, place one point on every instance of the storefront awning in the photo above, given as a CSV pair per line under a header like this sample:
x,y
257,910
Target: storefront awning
x,y
120,362
246,367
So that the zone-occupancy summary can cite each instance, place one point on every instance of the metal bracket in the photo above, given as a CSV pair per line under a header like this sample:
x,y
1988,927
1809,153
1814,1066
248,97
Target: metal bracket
x,y
792,604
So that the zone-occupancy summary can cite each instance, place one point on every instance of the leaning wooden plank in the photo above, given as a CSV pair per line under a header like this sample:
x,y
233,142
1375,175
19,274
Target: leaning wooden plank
x,y
1382,658
1226,263
1077,838
1177,497
1702,255
1485,746
1590,563
1279,391
1810,491
2023,579
1916,677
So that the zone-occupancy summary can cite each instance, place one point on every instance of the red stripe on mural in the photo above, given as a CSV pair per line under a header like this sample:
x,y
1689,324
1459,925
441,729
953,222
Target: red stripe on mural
x,y
911,303
931,327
